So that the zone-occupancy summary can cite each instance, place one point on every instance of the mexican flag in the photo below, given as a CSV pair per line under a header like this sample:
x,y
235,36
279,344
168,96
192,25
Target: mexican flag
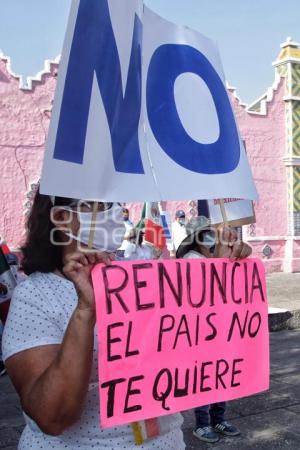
x,y
7,280
151,224
4,246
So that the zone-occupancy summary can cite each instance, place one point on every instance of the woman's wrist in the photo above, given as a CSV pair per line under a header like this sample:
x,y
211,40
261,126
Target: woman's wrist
x,y
85,312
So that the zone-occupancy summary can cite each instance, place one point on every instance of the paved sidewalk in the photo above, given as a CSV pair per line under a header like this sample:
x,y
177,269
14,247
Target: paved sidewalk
x,y
284,301
283,290
11,418
268,421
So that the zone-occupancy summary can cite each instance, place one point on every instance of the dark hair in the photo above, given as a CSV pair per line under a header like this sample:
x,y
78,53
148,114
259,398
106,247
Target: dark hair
x,y
39,253
135,236
132,235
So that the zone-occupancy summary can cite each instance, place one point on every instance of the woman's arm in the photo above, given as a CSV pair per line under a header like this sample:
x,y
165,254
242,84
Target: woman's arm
x,y
52,381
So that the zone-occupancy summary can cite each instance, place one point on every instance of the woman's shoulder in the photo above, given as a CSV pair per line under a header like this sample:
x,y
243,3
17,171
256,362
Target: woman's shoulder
x,y
26,284
32,280
37,284
36,315
193,254
45,295
130,250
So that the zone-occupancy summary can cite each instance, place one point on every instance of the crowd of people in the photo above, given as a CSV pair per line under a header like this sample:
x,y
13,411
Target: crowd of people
x,y
50,330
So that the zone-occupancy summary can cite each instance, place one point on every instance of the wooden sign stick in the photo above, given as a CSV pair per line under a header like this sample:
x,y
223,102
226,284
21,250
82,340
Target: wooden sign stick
x,y
138,437
223,212
93,225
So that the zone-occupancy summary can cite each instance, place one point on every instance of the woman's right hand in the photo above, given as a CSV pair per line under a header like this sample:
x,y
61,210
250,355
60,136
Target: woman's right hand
x,y
77,268
230,246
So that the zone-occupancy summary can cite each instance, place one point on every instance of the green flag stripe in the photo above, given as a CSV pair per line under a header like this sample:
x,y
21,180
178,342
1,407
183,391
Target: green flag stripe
x,y
141,224
4,267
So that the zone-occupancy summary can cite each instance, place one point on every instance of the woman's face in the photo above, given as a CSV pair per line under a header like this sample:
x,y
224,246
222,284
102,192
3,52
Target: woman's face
x,y
67,218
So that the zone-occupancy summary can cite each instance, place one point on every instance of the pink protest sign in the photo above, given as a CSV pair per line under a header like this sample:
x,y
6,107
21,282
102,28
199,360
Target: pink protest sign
x,y
177,334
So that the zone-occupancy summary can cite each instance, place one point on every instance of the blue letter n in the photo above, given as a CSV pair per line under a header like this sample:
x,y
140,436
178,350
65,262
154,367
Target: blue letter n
x,y
94,51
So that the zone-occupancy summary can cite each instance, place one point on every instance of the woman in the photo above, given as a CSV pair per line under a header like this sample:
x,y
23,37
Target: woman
x,y
135,249
203,241
50,333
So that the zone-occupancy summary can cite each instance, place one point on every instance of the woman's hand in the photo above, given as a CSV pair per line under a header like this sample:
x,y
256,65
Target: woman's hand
x,y
77,268
230,246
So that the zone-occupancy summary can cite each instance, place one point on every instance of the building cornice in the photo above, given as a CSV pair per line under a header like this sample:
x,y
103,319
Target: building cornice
x,y
264,99
233,91
291,161
286,61
289,98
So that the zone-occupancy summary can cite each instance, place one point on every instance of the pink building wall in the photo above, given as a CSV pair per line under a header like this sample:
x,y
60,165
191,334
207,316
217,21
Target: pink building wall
x,y
264,136
24,121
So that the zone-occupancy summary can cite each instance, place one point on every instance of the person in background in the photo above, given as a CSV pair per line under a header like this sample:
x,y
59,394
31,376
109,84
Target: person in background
x,y
50,333
4,307
136,249
8,279
4,246
2,366
178,231
127,222
202,241
128,227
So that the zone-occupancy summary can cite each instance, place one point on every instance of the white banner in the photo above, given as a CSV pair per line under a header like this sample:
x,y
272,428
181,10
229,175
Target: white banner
x,y
141,112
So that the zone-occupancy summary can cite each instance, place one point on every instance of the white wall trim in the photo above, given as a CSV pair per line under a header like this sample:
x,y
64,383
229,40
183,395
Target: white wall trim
x,y
263,100
270,238
233,91
288,257
286,60
27,85
266,98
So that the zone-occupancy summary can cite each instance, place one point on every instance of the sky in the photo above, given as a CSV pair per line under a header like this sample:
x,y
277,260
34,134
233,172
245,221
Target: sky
x,y
248,32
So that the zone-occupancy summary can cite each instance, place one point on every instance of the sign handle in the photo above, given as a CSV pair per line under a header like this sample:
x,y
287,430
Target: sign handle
x,y
93,225
223,212
138,438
